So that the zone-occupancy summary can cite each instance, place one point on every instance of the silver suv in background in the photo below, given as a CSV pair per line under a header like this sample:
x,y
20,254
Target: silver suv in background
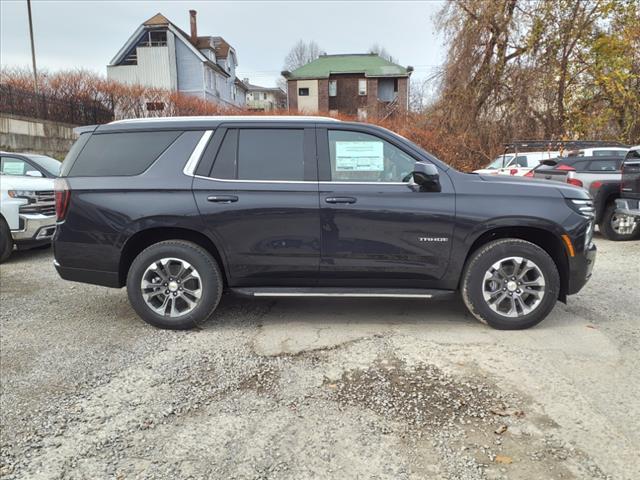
x,y
580,171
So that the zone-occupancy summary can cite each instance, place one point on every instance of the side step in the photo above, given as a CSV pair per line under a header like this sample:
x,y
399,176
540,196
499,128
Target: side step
x,y
340,292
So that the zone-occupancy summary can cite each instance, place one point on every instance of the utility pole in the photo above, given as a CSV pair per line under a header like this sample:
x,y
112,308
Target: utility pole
x,y
33,49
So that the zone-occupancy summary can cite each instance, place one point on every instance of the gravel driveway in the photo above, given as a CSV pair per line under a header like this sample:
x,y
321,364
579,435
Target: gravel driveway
x,y
305,389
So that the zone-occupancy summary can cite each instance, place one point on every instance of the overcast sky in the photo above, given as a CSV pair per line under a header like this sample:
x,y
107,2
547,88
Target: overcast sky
x,y
87,34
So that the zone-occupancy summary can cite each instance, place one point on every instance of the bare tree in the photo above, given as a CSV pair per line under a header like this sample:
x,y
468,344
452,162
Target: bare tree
x,y
301,54
382,52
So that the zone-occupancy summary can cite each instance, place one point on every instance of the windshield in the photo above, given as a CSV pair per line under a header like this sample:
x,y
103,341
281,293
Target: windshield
x,y
51,165
497,163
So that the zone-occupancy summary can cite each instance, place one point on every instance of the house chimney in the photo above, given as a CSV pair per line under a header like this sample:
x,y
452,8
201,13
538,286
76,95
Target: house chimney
x,y
194,26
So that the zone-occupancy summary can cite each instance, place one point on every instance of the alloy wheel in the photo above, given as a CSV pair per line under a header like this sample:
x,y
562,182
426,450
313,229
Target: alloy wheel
x,y
513,286
171,287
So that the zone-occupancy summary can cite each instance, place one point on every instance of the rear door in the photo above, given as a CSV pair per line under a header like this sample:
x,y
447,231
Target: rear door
x,y
378,228
257,192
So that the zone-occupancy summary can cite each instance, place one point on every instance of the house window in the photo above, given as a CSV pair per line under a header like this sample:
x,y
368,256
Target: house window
x,y
362,86
303,92
333,88
264,96
155,106
395,85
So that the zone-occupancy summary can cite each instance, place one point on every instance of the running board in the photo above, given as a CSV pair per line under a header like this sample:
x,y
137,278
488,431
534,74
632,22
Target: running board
x,y
340,292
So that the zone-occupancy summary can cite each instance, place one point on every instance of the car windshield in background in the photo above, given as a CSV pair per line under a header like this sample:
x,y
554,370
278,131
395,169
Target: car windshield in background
x,y
49,164
500,162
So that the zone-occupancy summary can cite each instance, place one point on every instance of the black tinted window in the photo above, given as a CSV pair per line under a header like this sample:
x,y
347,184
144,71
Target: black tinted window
x,y
115,154
271,154
580,166
225,163
605,165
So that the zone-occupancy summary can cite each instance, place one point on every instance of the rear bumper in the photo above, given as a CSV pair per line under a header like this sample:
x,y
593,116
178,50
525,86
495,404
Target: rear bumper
x,y
581,268
34,228
95,277
628,206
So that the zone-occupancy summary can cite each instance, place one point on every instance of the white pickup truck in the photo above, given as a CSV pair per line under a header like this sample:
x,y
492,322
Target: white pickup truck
x,y
27,206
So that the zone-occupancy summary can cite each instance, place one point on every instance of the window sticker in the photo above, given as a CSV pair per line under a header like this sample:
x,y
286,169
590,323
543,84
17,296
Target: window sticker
x,y
359,157
13,168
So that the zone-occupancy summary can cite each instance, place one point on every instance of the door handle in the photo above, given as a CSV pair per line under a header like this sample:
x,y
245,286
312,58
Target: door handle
x,y
340,200
222,198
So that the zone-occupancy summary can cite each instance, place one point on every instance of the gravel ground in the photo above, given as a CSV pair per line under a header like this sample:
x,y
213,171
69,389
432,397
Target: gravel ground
x,y
306,389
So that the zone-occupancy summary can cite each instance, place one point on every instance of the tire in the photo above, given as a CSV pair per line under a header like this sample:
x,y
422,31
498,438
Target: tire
x,y
181,310
536,306
6,241
608,229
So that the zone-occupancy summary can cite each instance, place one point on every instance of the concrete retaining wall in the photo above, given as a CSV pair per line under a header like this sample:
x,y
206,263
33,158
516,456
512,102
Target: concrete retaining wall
x,y
23,134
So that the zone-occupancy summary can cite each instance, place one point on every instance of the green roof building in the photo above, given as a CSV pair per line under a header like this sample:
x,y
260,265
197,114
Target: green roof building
x,y
362,85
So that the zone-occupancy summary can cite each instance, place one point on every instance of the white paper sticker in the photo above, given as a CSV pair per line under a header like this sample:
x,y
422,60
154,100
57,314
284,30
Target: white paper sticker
x,y
359,157
13,168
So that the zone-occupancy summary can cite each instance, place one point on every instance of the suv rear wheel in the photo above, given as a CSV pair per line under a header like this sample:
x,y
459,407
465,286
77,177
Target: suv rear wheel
x,y
510,284
618,227
174,284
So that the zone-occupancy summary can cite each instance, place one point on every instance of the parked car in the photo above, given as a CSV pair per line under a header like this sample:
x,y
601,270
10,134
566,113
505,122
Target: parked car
x,y
516,164
29,164
179,210
579,171
599,152
628,205
27,213
612,224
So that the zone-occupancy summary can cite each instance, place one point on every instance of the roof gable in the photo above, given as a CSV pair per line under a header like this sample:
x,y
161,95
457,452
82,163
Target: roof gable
x,y
157,20
370,65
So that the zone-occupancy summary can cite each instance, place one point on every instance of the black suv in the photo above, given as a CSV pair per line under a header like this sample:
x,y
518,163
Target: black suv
x,y
181,209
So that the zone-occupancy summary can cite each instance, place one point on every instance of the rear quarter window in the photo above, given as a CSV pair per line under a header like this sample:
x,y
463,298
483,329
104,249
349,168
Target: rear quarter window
x,y
119,154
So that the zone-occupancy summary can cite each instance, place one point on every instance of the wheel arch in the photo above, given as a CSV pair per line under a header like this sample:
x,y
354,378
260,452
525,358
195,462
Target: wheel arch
x,y
147,237
546,239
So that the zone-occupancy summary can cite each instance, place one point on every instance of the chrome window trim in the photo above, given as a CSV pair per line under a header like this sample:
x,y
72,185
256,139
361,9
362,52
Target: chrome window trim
x,y
190,167
297,181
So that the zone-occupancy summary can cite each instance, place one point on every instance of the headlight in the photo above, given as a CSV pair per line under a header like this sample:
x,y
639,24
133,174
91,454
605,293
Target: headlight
x,y
26,194
587,210
582,207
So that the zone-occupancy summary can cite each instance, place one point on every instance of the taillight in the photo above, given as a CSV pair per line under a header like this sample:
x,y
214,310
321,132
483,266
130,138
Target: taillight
x,y
529,173
566,168
571,180
513,171
63,194
596,184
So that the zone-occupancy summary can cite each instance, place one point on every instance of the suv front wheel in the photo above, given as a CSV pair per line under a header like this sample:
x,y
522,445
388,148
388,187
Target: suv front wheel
x,y
510,284
174,284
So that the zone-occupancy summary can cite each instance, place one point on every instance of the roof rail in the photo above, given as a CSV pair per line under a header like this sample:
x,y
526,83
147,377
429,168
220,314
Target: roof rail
x,y
561,144
242,118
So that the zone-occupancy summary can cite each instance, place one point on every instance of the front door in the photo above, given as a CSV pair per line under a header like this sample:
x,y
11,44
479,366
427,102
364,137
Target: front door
x,y
259,202
378,228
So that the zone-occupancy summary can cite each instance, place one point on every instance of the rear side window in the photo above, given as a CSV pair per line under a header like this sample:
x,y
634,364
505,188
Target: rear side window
x,y
120,154
270,154
605,165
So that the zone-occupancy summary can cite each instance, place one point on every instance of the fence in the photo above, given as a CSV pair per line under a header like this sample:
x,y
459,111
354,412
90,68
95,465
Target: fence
x,y
41,106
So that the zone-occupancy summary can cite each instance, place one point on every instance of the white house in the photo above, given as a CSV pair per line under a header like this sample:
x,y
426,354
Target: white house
x,y
161,55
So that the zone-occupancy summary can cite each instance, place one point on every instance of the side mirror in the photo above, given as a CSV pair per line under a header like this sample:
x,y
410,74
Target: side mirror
x,y
33,173
426,175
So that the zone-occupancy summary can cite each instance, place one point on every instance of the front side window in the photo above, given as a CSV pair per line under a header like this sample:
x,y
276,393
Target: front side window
x,y
360,157
14,166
